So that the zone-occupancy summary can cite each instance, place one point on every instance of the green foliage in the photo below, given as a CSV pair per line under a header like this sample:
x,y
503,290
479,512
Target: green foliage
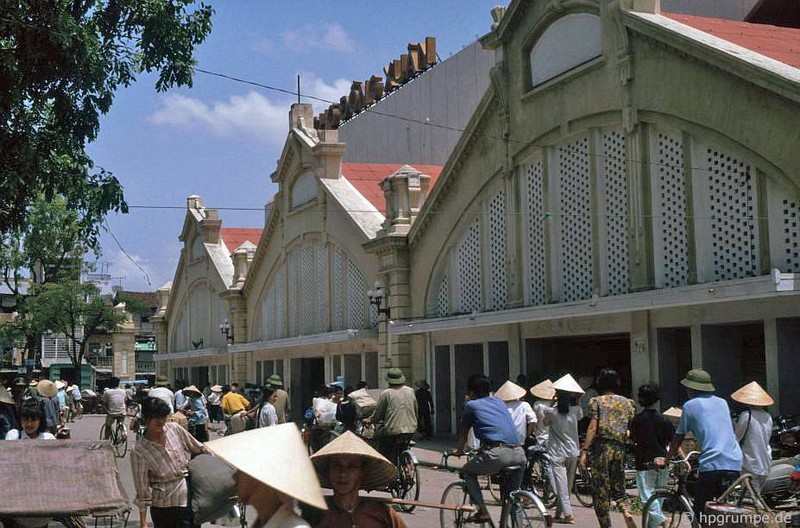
x,y
76,310
61,62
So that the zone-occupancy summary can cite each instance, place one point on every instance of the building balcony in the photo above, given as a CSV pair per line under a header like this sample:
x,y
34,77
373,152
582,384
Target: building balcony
x,y
145,367
104,362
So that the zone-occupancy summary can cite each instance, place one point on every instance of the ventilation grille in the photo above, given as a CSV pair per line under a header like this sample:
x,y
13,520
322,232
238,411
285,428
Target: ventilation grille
x,y
468,262
294,287
671,193
307,277
356,297
497,250
576,274
280,303
533,200
321,315
338,287
616,174
443,298
791,235
733,230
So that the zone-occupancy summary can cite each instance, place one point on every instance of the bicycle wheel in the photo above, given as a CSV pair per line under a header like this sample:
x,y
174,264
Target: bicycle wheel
x,y
525,510
583,487
103,432
408,485
540,482
120,439
673,507
455,495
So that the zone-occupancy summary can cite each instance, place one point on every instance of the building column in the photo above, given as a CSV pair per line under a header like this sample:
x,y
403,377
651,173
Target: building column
x,y
640,347
771,358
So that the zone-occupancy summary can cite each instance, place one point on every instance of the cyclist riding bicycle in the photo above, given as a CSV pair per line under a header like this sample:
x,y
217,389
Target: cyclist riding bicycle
x,y
115,400
397,410
500,448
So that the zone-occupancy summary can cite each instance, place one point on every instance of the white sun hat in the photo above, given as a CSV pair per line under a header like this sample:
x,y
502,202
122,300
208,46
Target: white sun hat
x,y
275,456
568,384
378,471
544,390
510,391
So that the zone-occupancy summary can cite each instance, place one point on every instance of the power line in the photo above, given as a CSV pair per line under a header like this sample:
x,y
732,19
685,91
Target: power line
x,y
124,252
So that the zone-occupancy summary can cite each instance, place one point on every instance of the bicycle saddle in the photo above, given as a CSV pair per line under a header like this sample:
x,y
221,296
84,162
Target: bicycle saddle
x,y
510,469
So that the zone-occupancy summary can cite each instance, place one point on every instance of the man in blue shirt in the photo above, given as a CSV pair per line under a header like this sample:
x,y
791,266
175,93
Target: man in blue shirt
x,y
709,419
492,425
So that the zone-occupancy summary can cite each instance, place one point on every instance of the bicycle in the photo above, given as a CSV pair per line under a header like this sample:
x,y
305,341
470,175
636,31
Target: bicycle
x,y
117,434
583,486
407,483
673,503
518,508
537,475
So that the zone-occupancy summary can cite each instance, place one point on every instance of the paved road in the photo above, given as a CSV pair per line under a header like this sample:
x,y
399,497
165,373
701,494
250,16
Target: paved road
x,y
433,480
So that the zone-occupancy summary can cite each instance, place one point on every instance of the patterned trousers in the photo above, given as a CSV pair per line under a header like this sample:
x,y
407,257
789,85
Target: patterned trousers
x,y
608,471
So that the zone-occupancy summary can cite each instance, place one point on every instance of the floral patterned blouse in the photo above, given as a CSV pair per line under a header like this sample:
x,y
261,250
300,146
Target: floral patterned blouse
x,y
613,414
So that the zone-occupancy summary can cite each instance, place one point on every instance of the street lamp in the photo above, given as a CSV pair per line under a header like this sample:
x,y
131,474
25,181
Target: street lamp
x,y
376,297
226,330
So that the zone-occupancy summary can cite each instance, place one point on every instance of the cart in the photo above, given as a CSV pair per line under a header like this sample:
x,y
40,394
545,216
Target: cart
x,y
83,474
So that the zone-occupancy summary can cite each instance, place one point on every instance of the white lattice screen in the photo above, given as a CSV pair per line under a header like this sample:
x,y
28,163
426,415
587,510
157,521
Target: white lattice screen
x,y
280,303
443,298
321,305
670,201
307,290
468,265
533,202
356,297
338,300
497,250
734,247
789,212
293,265
268,313
576,270
615,161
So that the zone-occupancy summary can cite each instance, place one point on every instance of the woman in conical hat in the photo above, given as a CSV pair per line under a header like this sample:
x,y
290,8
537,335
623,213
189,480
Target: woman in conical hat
x,y
347,465
753,429
544,394
521,411
273,471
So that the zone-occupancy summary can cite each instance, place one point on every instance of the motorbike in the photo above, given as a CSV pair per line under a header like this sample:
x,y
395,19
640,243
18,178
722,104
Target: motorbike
x,y
785,439
779,487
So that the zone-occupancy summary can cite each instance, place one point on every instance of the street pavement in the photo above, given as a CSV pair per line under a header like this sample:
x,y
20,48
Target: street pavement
x,y
434,479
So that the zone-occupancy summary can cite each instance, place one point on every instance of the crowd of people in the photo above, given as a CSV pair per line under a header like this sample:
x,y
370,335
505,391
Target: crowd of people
x,y
503,423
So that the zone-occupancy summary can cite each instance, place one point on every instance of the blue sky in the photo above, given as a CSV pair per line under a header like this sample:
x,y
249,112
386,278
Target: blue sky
x,y
221,139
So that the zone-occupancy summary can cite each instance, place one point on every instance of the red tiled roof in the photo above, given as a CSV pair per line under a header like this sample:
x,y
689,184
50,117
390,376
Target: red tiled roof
x,y
366,178
779,43
236,236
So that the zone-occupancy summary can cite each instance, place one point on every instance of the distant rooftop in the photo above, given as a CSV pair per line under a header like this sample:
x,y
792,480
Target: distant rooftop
x,y
366,178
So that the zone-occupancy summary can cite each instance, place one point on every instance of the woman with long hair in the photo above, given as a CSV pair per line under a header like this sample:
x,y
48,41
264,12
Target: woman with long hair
x,y
562,445
610,417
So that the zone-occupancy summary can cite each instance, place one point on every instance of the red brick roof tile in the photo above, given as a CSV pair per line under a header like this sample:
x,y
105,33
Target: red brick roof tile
x,y
236,236
366,177
779,43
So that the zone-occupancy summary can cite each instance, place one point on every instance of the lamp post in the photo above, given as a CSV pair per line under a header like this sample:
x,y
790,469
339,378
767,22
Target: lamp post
x,y
376,297
226,330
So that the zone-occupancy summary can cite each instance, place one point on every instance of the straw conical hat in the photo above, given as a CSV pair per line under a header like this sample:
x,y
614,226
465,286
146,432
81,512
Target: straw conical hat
x,y
544,390
510,391
5,397
191,389
378,471
254,452
568,384
673,414
216,388
753,394
46,388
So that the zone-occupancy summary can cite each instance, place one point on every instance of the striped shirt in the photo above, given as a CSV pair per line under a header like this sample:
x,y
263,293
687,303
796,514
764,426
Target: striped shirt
x,y
159,472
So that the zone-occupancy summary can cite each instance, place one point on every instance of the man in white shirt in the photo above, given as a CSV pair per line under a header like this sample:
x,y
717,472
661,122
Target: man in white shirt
x,y
521,412
163,393
114,400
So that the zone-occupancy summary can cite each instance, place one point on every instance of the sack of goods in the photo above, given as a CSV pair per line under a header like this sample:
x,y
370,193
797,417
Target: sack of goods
x,y
213,488
239,422
180,419
365,400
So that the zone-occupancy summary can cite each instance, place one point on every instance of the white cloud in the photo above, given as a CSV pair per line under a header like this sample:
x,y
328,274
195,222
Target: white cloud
x,y
331,37
252,115
133,273
262,45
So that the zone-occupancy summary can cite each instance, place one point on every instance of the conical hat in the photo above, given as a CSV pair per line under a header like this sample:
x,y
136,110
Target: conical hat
x,y
275,456
544,390
673,414
5,397
568,384
191,389
46,388
753,394
378,471
510,391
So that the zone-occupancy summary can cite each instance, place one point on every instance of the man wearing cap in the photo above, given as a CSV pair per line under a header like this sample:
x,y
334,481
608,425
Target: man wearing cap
x,y
491,422
347,465
708,418
753,430
397,410
215,403
275,382
264,482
